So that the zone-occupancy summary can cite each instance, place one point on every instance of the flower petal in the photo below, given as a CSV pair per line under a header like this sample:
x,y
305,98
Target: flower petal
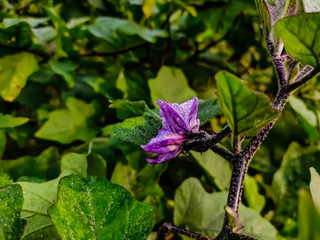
x,y
163,157
189,111
164,142
171,119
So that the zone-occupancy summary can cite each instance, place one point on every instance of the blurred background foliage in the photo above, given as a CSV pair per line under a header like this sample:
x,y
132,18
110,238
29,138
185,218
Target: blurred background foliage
x,y
70,70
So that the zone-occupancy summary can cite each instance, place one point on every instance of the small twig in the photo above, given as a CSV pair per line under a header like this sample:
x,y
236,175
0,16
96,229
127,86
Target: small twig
x,y
167,228
236,145
292,65
223,153
306,74
220,135
237,236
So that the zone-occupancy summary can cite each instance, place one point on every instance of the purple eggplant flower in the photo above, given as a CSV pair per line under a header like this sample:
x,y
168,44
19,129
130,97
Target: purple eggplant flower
x,y
179,123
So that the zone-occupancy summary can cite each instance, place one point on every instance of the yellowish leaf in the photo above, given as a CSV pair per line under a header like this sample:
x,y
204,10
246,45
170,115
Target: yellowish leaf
x,y
147,7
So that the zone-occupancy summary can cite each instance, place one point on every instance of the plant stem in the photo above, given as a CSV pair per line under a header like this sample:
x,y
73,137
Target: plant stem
x,y
220,135
236,236
305,75
242,160
223,153
167,228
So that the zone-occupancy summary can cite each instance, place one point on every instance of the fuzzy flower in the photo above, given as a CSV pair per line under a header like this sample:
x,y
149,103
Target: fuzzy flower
x,y
180,124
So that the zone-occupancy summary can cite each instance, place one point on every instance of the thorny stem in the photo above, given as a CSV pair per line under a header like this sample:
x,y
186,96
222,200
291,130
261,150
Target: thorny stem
x,y
241,160
223,153
220,135
167,227
305,75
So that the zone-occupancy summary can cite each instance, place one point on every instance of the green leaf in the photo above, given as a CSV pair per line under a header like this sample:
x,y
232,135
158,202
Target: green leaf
x,y
147,7
5,179
308,217
14,72
140,183
21,134
208,109
93,208
170,85
307,117
246,111
292,175
97,3
45,193
8,121
19,35
67,125
126,109
64,68
254,199
203,212
11,200
314,187
38,197
41,167
97,165
262,8
102,86
33,22
218,169
138,130
3,142
221,19
108,29
64,44
301,37
39,227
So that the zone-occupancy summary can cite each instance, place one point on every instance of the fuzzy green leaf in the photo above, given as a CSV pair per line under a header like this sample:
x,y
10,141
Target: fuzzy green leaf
x,y
11,200
92,208
208,109
246,111
301,37
138,130
38,197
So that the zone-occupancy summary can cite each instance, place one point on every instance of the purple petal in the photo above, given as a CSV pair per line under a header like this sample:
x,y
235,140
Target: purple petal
x,y
163,157
189,111
180,117
171,119
165,141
